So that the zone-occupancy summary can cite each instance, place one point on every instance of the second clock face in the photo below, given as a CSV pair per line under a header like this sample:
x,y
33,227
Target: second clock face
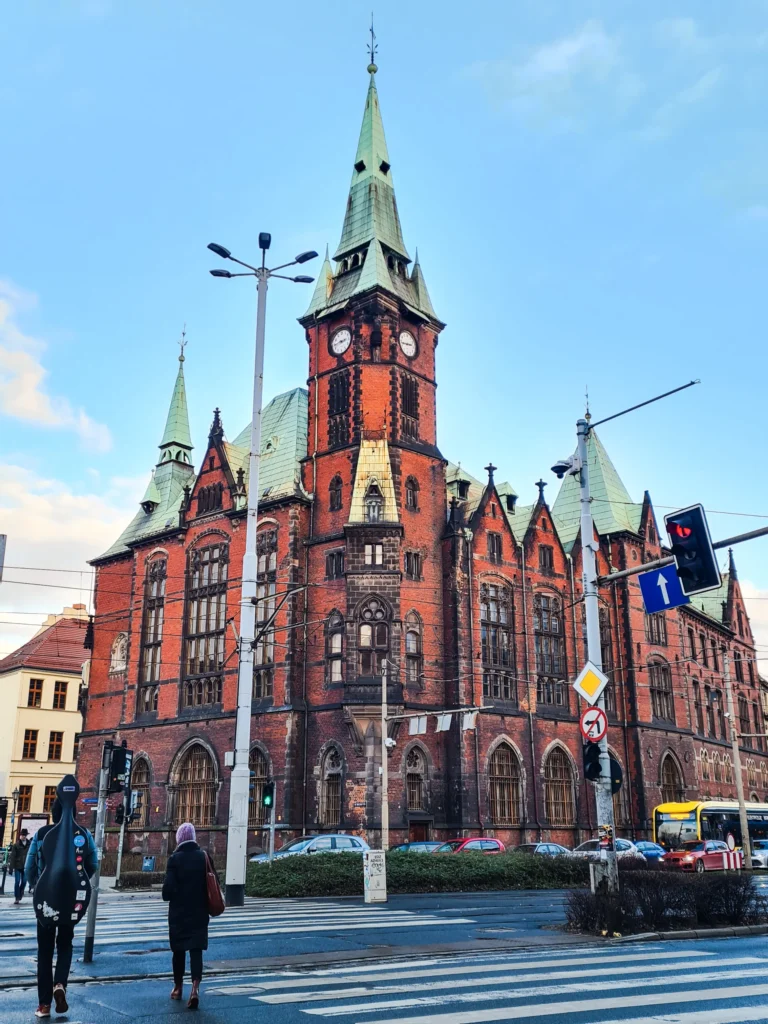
x,y
408,344
341,341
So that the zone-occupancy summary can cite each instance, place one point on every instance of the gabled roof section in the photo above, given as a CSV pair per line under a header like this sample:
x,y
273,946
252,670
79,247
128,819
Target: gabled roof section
x,y
176,433
714,602
374,470
613,510
57,649
283,446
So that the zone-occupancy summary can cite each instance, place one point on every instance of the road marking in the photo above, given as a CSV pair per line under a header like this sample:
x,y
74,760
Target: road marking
x,y
731,1016
583,1006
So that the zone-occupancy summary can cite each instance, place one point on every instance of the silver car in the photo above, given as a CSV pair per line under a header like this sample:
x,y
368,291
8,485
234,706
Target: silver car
x,y
337,843
625,850
760,853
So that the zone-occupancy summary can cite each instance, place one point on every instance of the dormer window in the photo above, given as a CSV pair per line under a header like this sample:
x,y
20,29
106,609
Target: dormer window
x,y
374,504
149,506
511,500
463,490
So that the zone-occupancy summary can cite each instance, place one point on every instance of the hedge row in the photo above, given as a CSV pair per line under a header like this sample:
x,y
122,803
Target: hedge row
x,y
665,901
341,874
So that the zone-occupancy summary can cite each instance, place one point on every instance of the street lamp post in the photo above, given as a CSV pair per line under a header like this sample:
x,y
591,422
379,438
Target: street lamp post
x,y
237,829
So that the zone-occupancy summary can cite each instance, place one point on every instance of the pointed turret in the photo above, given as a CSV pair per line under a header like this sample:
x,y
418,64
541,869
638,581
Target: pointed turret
x,y
324,286
151,498
177,442
732,565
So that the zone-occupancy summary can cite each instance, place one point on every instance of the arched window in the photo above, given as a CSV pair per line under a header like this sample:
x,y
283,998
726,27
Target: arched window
x,y
662,701
621,814
374,503
413,658
744,718
710,711
549,642
412,494
415,770
152,635
140,782
497,642
330,788
257,764
751,774
118,660
738,666
699,711
704,765
504,789
558,789
196,787
355,260
205,622
373,638
727,770
334,647
672,787
266,584
335,493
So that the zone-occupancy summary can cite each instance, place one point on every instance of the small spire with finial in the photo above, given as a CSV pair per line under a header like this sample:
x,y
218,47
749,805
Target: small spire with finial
x,y
372,50
490,470
182,343
541,484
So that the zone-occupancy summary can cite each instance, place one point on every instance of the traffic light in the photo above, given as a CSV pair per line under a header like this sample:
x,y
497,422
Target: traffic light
x,y
120,813
617,776
137,805
695,561
120,769
592,768
268,794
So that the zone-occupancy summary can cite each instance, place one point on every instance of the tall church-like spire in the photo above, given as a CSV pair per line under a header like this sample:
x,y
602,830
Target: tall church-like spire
x,y
177,441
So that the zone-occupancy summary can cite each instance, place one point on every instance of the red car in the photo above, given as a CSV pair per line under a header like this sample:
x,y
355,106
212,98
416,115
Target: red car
x,y
697,855
471,846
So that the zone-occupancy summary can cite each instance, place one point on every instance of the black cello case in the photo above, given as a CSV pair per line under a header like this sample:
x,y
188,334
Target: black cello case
x,y
63,890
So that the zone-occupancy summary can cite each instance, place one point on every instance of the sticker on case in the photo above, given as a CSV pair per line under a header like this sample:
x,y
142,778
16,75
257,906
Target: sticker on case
x,y
80,894
79,840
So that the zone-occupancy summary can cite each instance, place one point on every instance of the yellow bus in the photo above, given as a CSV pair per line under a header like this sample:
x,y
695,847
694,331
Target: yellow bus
x,y
675,823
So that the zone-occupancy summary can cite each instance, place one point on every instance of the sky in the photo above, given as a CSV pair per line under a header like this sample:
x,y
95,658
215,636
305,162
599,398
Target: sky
x,y
586,182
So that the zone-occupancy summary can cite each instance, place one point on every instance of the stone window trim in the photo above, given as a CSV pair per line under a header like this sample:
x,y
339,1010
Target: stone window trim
x,y
330,809
505,776
559,780
373,619
416,771
176,783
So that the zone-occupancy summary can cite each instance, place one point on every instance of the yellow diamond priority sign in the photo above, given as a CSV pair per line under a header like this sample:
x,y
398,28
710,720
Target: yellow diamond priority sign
x,y
590,683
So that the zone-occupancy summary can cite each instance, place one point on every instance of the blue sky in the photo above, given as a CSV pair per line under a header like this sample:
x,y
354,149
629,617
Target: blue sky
x,y
587,184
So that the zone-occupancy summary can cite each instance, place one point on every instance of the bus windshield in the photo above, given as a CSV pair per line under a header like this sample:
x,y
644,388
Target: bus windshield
x,y
672,830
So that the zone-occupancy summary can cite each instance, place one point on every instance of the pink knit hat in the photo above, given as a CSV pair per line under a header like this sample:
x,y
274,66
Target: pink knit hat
x,y
185,833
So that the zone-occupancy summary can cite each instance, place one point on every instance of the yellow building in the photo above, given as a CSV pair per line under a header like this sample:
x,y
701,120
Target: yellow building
x,y
40,722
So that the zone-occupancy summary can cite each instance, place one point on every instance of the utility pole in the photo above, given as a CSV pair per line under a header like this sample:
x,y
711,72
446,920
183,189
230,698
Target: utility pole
x,y
126,811
603,795
384,760
272,829
101,814
746,845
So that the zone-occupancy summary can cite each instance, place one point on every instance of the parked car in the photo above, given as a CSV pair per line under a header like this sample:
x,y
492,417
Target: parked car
x,y
543,849
421,846
760,853
697,855
625,850
471,846
317,844
651,851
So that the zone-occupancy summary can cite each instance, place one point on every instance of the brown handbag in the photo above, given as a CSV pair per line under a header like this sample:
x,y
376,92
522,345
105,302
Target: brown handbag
x,y
215,897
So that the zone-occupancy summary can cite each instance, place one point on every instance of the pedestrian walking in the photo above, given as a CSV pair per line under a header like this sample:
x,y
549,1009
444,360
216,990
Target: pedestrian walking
x,y
185,889
16,861
60,898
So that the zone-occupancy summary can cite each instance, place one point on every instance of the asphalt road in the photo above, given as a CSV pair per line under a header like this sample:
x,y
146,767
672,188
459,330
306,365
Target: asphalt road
x,y
693,982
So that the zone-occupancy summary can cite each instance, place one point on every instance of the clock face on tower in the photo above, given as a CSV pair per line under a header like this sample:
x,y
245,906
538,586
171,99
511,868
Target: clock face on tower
x,y
408,344
341,341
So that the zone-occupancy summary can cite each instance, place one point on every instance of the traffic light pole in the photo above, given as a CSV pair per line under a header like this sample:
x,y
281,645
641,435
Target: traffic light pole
x,y
272,831
126,812
603,795
101,814
746,844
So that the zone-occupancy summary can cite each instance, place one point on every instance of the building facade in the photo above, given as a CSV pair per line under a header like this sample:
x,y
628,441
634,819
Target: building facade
x,y
374,550
40,717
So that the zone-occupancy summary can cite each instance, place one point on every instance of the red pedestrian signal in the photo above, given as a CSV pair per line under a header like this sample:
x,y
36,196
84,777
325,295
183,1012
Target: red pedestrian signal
x,y
695,560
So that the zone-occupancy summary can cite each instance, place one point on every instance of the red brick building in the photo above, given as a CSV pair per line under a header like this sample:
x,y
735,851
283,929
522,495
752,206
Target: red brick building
x,y
373,547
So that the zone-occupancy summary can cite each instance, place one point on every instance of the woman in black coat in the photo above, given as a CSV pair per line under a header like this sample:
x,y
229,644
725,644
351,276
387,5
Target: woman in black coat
x,y
185,889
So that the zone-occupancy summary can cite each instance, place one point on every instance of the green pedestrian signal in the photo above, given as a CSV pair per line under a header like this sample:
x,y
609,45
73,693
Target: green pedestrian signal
x,y
268,794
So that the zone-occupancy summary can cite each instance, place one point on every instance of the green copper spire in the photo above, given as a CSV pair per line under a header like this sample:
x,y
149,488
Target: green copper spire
x,y
324,286
177,442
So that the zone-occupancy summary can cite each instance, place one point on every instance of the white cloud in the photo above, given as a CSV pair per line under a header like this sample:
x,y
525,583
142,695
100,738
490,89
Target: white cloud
x,y
756,601
561,78
23,392
684,34
668,117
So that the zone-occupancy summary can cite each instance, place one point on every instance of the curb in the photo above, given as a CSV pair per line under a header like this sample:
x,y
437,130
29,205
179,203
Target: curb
x,y
703,933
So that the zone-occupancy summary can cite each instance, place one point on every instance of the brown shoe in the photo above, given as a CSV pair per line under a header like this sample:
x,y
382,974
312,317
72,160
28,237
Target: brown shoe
x,y
60,998
43,1011
194,996
176,991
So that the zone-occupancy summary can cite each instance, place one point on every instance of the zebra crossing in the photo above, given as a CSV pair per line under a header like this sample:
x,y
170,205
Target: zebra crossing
x,y
645,984
127,921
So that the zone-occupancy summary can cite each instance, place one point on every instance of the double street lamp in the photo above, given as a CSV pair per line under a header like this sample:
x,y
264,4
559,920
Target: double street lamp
x,y
237,829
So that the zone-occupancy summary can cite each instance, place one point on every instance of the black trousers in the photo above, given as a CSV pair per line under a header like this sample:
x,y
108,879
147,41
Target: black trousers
x,y
195,965
58,936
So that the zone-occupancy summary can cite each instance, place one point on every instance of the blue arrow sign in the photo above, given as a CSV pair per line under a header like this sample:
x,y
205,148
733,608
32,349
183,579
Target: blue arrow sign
x,y
661,589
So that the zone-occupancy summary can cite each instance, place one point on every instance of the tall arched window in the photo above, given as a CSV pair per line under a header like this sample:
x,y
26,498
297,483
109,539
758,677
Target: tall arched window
x,y
266,584
662,701
497,642
195,787
549,641
373,637
558,789
415,771
330,788
335,491
118,660
374,503
152,634
744,718
413,657
504,788
334,647
672,787
698,708
205,622
257,764
412,494
140,782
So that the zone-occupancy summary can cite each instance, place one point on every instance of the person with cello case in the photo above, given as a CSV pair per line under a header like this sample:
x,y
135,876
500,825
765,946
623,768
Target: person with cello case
x,y
60,862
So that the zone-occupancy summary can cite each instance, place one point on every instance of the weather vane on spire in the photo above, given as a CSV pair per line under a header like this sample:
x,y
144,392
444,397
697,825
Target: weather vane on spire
x,y
588,414
372,50
182,343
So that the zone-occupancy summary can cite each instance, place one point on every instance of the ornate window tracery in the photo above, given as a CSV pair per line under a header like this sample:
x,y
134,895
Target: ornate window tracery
x,y
266,586
497,642
504,786
672,786
195,785
549,644
204,625
152,634
415,771
373,637
330,788
558,789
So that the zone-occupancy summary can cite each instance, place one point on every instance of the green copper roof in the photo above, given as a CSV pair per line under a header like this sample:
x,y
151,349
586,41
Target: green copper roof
x,y
283,445
151,494
613,510
713,601
177,424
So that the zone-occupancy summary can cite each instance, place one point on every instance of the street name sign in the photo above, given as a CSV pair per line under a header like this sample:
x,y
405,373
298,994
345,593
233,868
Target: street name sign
x,y
661,589
590,683
593,724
